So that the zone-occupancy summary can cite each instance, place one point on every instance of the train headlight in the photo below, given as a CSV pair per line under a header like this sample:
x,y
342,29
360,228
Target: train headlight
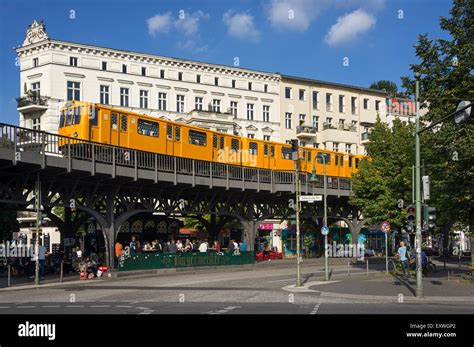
x,y
76,134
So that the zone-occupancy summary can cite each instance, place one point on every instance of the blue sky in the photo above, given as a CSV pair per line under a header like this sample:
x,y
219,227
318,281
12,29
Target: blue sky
x,y
308,38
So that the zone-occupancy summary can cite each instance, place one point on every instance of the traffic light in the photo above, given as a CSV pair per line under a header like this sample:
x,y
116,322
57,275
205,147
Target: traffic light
x,y
411,216
294,149
429,217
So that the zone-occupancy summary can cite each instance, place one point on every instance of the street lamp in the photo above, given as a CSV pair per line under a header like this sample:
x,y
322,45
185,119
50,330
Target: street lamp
x,y
325,222
461,114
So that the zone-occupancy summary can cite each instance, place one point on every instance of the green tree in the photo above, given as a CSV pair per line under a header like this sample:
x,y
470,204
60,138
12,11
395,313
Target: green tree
x,y
445,67
8,221
385,178
390,87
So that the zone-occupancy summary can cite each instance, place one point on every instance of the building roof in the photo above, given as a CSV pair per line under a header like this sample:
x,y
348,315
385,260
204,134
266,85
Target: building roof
x,y
340,85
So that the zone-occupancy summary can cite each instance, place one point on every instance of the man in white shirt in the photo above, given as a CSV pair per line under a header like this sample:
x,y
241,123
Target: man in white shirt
x,y
42,260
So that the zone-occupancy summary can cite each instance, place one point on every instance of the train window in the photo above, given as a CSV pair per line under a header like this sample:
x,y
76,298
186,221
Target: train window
x,y
169,132
94,118
114,120
326,156
357,163
61,119
286,153
265,150
177,134
148,128
309,157
272,151
68,116
123,123
214,141
253,148
197,138
337,160
350,161
341,160
304,155
234,144
221,142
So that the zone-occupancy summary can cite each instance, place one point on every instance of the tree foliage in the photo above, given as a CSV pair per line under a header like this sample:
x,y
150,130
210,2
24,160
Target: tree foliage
x,y
390,87
384,180
445,67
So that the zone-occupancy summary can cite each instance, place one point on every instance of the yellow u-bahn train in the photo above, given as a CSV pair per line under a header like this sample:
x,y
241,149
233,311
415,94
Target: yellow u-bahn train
x,y
112,126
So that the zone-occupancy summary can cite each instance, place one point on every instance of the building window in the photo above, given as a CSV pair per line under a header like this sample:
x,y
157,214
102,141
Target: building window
x,y
104,95
180,76
316,122
124,97
353,105
104,65
366,104
216,81
124,68
265,88
233,83
180,103
162,101
287,92
329,121
36,123
315,100
288,120
250,85
35,62
35,88
143,71
198,78
377,105
216,105
73,61
354,124
348,148
342,105
233,108
266,137
302,95
266,113
251,136
316,145
302,118
73,90
328,102
335,146
198,101
249,111
143,99
162,73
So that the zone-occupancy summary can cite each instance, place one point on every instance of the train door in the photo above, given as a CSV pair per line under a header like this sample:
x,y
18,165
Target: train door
x,y
177,141
218,150
169,139
93,116
114,130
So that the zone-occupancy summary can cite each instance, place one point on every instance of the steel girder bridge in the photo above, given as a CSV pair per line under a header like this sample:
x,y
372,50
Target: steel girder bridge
x,y
112,184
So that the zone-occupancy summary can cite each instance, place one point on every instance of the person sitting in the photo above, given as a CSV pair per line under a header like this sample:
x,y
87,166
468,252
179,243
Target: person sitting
x,y
243,247
156,246
187,246
179,246
203,247
172,247
231,246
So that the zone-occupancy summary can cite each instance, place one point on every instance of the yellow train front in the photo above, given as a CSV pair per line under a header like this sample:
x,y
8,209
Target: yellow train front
x,y
81,122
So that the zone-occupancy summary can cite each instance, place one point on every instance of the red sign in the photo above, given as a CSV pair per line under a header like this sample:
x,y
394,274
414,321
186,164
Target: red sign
x,y
385,227
266,226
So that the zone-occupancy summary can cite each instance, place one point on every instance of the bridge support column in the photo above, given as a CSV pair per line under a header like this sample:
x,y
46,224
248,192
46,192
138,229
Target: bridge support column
x,y
250,232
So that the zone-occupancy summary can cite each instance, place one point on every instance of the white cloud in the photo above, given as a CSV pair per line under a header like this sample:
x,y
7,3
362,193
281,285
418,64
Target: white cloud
x,y
189,23
297,15
349,26
241,25
159,23
192,46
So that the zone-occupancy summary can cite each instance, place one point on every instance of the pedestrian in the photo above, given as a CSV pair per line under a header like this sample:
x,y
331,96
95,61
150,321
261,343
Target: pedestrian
x,y
402,254
42,260
243,246
132,246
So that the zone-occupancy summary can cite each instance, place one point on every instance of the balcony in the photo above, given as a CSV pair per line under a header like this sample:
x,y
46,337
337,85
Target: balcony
x,y
32,102
328,126
305,131
347,127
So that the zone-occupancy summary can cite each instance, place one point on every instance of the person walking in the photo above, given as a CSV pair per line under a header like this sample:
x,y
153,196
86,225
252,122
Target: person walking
x,y
243,246
402,254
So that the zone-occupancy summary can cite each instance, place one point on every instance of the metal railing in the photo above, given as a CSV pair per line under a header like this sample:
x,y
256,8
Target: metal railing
x,y
305,129
364,136
28,140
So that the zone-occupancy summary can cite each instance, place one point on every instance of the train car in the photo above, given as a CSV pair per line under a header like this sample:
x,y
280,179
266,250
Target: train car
x,y
81,121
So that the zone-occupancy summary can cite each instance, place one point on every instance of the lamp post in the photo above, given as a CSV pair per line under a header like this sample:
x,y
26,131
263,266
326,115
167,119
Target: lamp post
x,y
325,222
462,113
297,210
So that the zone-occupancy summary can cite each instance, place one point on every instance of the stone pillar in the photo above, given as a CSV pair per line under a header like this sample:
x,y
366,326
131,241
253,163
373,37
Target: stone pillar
x,y
250,232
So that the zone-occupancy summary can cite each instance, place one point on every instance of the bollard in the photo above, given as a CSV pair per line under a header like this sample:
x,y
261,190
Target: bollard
x,y
348,268
9,275
367,265
61,272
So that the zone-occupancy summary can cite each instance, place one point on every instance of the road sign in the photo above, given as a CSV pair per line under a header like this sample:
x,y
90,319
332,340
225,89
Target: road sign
x,y
385,227
311,198
324,231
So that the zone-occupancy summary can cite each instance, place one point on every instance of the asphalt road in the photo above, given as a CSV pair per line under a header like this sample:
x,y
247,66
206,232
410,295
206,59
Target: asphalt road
x,y
249,291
